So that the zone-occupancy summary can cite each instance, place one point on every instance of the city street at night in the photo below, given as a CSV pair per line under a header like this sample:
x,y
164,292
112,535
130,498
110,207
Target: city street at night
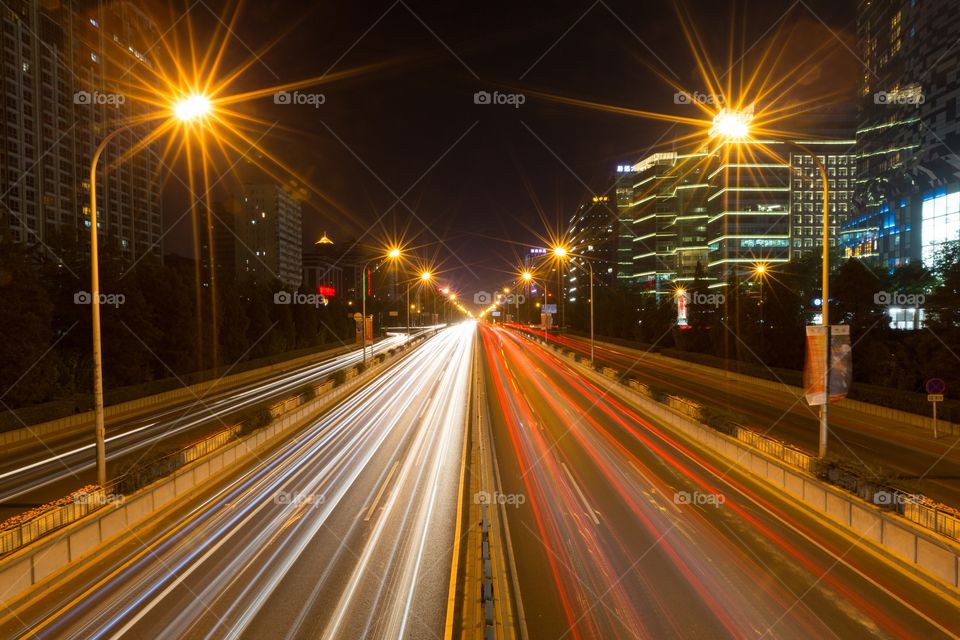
x,y
411,320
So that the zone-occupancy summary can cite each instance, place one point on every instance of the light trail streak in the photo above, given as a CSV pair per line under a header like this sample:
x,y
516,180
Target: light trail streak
x,y
214,573
744,590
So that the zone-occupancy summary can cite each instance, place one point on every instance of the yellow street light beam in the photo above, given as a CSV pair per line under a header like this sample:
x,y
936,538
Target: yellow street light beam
x,y
192,107
560,252
733,126
426,276
394,253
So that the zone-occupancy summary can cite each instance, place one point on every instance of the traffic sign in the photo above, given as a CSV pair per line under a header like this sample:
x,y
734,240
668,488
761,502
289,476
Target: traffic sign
x,y
550,308
934,397
936,386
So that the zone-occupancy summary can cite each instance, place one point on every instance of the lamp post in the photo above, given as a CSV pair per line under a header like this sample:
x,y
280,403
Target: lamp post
x,y
562,253
189,109
392,254
734,126
761,271
528,277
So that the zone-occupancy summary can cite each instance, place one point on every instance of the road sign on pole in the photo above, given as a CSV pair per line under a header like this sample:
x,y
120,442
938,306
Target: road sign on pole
x,y
935,390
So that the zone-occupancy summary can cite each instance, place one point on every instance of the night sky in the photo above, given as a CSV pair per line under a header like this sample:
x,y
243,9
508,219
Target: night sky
x,y
480,182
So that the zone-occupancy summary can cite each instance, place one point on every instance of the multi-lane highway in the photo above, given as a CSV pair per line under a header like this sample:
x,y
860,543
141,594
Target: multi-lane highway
x,y
931,466
621,529
52,468
346,531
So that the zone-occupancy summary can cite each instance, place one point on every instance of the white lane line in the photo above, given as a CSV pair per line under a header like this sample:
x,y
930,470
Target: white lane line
x,y
593,514
72,451
653,487
383,487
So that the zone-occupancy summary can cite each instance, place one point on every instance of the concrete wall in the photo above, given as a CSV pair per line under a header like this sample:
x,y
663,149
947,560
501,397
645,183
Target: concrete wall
x,y
23,569
923,551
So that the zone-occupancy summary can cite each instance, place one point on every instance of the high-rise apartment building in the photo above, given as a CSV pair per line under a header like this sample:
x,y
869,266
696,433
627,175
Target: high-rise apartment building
x,y
591,233
258,237
906,131
65,72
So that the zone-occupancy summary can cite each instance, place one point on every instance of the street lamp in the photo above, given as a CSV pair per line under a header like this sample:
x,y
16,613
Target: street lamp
x,y
392,254
562,253
761,271
424,277
734,126
189,109
528,277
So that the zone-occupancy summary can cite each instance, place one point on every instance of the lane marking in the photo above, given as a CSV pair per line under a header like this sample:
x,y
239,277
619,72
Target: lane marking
x,y
593,514
653,487
383,487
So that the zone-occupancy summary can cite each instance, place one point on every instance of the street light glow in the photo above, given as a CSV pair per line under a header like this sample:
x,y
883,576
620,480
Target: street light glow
x,y
192,107
526,275
393,253
425,276
560,252
732,125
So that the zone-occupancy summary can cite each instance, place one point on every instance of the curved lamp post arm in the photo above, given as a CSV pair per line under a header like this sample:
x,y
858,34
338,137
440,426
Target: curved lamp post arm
x,y
98,417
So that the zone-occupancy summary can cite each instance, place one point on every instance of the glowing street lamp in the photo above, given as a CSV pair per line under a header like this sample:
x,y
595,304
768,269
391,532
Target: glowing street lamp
x,y
561,253
392,254
734,126
761,271
190,108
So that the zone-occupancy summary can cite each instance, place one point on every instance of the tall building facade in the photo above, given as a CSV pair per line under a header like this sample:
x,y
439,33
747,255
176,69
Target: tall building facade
x,y
718,213
669,218
592,234
65,69
258,235
907,126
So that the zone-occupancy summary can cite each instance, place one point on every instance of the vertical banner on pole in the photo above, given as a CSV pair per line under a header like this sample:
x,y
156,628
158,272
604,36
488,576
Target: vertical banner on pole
x,y
369,327
358,318
841,364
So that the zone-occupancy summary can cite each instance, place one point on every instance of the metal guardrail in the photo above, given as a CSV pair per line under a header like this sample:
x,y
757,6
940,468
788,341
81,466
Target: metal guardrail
x,y
23,531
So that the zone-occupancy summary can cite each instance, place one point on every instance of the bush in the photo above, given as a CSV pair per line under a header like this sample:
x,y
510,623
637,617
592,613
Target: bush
x,y
339,377
361,367
720,420
253,419
139,474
